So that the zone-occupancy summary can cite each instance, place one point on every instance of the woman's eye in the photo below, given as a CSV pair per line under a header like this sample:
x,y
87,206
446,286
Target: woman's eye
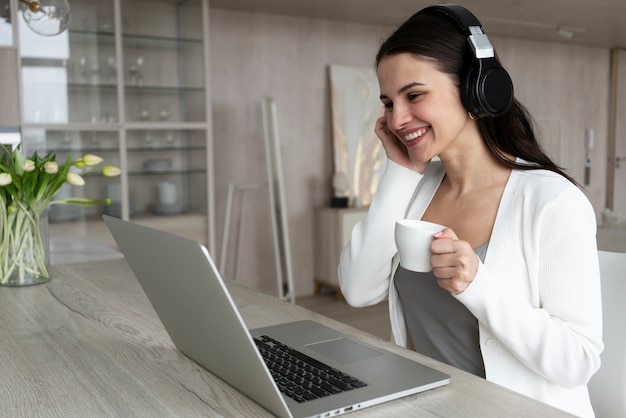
x,y
413,96
388,105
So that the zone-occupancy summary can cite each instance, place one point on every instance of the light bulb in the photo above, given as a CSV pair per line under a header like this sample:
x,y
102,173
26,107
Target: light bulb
x,y
48,17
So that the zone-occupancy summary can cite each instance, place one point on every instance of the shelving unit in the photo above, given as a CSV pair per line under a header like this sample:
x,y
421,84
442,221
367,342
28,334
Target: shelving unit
x,y
126,82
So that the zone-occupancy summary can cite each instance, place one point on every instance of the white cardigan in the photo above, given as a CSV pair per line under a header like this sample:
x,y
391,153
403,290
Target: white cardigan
x,y
537,296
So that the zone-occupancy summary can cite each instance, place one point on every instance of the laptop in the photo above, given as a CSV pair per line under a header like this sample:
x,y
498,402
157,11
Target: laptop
x,y
190,298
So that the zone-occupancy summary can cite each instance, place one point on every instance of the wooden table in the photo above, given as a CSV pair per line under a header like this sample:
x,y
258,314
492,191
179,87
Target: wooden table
x,y
88,343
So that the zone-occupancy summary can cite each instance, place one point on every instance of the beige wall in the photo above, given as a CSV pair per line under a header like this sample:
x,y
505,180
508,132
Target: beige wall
x,y
566,89
252,55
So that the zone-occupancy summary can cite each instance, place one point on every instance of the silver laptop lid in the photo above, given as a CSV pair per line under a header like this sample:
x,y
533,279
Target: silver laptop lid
x,y
224,346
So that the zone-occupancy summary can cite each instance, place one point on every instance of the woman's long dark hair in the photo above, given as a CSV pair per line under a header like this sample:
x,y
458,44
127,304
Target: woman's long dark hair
x,y
437,37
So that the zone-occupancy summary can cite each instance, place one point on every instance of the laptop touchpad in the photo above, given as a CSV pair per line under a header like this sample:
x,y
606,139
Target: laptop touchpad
x,y
343,350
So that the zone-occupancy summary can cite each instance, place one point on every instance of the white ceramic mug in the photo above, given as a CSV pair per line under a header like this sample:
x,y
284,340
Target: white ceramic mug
x,y
413,239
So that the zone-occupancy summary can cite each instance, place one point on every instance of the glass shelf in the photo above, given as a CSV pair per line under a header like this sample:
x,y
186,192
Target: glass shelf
x,y
95,150
91,86
92,37
131,88
130,39
167,173
150,41
162,89
158,173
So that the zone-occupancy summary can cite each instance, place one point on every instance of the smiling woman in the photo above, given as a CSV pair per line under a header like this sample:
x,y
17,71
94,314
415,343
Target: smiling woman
x,y
510,276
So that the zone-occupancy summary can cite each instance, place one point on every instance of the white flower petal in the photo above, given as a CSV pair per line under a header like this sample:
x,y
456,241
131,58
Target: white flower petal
x,y
75,179
5,179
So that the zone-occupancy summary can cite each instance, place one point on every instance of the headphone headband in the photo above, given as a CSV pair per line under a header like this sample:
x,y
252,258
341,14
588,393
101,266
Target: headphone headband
x,y
469,24
463,17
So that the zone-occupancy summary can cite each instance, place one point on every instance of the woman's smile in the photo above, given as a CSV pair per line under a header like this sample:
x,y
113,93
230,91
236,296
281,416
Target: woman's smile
x,y
414,137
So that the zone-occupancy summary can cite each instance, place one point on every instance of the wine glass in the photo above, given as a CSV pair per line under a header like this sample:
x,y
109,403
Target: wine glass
x,y
136,71
112,69
140,71
164,114
144,115
82,62
95,71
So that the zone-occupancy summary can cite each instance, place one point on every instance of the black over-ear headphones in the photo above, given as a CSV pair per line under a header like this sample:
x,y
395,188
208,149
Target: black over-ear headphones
x,y
486,89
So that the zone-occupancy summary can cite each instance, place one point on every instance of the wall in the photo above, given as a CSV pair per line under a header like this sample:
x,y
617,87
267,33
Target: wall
x,y
566,89
252,55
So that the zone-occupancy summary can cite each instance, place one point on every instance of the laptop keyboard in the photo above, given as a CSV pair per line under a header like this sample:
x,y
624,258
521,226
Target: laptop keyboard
x,y
301,377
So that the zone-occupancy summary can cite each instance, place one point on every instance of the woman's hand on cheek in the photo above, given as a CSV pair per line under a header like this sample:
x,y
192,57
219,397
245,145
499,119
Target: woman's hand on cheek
x,y
395,150
454,261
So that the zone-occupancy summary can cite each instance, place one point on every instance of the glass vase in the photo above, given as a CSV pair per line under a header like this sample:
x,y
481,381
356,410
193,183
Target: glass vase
x,y
24,247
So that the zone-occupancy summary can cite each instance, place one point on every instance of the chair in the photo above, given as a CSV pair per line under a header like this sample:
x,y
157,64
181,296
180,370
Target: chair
x,y
607,388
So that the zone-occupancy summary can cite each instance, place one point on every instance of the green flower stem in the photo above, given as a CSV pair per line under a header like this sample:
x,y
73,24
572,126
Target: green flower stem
x,y
4,229
81,201
22,253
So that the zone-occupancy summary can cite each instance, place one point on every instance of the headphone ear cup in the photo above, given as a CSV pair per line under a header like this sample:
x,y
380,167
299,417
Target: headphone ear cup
x,y
494,90
487,89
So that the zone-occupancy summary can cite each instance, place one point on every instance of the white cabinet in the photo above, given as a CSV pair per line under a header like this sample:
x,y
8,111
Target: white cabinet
x,y
126,82
333,227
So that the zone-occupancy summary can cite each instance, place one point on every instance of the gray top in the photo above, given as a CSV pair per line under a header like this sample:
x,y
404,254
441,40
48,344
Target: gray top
x,y
438,324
